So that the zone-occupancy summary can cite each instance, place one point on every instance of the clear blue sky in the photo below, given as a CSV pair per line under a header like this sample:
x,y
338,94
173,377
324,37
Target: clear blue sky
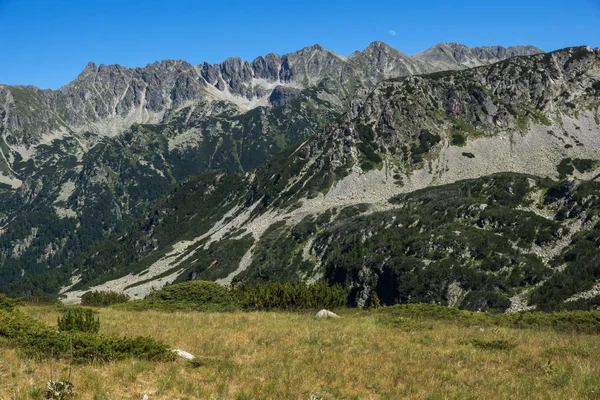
x,y
48,42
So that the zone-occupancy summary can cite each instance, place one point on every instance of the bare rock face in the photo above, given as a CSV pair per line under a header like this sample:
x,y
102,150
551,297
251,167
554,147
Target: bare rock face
x,y
267,67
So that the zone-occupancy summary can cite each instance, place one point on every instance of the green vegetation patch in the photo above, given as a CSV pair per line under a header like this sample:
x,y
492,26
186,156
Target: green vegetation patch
x,y
426,141
567,321
290,296
468,234
187,296
567,166
277,256
6,303
485,301
461,130
218,261
584,165
103,298
79,320
210,296
39,341
458,139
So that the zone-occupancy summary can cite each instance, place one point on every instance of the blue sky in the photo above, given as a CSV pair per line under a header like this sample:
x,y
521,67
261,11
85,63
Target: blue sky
x,y
47,43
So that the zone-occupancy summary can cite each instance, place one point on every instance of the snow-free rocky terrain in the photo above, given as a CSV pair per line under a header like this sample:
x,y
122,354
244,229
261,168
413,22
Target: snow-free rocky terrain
x,y
457,176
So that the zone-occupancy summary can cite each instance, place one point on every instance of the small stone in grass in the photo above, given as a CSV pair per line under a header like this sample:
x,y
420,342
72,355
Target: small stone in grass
x,y
326,314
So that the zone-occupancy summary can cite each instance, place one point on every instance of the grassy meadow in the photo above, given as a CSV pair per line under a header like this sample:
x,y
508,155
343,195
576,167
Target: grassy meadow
x,y
274,355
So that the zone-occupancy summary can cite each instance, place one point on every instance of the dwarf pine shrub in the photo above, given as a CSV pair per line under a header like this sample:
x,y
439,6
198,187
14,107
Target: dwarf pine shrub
x,y
291,296
79,320
210,296
6,303
38,341
191,295
103,298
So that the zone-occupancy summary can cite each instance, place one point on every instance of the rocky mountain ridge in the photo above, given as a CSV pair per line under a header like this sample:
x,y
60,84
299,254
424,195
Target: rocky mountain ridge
x,y
105,100
361,204
456,53
78,164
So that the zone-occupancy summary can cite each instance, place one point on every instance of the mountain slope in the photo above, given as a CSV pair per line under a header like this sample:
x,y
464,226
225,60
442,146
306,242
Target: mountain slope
x,y
80,163
334,206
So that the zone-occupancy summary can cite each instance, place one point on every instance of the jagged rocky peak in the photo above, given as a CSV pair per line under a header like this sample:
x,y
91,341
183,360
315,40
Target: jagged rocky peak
x,y
305,66
91,67
267,67
108,91
378,47
107,99
456,53
384,61
310,64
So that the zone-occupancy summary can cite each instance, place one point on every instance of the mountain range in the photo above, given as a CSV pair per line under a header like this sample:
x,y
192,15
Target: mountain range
x,y
456,176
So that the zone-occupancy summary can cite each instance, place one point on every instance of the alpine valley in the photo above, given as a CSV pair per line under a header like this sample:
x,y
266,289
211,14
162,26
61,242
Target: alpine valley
x,y
457,176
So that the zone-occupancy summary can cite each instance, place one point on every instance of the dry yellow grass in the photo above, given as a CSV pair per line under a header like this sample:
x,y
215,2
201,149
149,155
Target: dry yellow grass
x,y
293,356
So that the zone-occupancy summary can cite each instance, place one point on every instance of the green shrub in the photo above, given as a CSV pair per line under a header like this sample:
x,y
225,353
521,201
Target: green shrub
x,y
193,291
291,296
374,301
210,296
6,303
103,299
565,168
79,320
191,295
458,139
583,164
36,340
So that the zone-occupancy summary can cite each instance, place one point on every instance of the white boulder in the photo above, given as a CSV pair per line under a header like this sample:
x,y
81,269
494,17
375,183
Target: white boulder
x,y
326,314
183,354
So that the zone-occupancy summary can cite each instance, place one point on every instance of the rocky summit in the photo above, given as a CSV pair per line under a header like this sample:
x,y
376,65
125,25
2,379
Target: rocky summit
x,y
460,176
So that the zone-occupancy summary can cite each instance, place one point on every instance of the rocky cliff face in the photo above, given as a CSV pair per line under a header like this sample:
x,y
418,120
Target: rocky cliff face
x,y
473,188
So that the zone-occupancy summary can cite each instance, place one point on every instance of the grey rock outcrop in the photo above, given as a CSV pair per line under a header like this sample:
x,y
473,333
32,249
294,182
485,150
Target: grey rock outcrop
x,y
451,54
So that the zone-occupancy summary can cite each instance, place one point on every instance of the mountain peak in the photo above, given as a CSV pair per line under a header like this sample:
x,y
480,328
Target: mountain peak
x,y
315,48
90,67
378,47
